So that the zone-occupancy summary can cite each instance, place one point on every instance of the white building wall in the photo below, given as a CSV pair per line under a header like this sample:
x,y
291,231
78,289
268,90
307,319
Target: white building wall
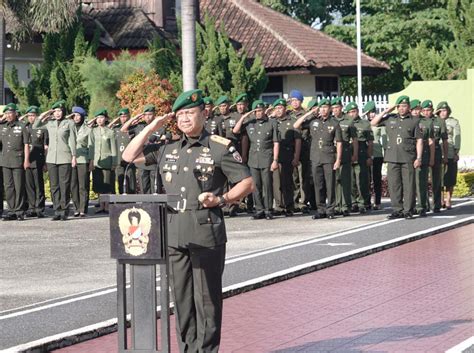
x,y
28,55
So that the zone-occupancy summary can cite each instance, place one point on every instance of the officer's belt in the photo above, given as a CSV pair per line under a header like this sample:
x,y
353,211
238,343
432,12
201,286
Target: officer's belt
x,y
184,205
321,144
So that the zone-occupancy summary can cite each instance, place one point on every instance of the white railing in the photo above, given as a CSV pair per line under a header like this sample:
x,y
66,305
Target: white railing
x,y
381,101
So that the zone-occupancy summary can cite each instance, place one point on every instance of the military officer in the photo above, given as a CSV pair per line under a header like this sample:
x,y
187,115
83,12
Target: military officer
x,y
14,139
403,155
288,158
379,145
361,167
123,139
263,155
415,108
228,120
326,155
34,174
213,122
80,175
103,158
350,147
453,129
61,156
197,168
440,159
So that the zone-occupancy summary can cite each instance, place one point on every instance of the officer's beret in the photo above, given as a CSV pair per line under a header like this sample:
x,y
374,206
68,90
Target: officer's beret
x,y
336,101
241,98
188,99
403,99
279,101
222,100
369,106
32,109
427,104
100,112
414,103
312,103
296,94
324,101
258,104
79,110
207,100
350,106
125,111
443,105
149,108
59,104
10,107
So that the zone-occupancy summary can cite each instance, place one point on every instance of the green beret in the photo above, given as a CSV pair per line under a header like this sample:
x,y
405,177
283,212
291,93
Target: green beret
x,y
59,104
403,99
336,101
258,104
32,109
414,103
124,111
279,101
369,106
350,106
241,98
443,105
188,99
324,101
9,107
99,112
427,104
312,103
222,100
207,100
149,108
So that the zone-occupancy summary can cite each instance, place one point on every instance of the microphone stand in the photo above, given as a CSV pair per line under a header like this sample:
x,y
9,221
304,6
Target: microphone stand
x,y
168,137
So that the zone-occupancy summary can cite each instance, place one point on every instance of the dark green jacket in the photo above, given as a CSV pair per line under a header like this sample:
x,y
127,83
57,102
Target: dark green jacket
x,y
324,135
13,138
262,134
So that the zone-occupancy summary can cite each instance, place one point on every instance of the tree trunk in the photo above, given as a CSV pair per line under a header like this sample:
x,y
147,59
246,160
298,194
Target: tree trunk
x,y
188,22
2,60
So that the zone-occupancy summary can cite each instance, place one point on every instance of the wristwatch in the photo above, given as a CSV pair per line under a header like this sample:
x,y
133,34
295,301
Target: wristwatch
x,y
222,202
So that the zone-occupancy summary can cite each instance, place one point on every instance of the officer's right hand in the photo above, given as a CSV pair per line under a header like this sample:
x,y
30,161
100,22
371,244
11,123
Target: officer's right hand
x,y
417,163
208,199
159,121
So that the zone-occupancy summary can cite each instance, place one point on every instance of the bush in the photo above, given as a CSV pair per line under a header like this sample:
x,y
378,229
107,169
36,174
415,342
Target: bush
x,y
464,185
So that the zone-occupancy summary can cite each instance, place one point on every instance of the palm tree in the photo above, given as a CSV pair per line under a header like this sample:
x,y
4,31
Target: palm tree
x,y
188,23
26,17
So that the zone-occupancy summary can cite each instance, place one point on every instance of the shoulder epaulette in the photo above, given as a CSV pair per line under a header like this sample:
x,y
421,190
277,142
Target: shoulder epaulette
x,y
221,140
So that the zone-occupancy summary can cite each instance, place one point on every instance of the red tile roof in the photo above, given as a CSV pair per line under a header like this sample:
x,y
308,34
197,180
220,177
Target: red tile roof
x,y
283,42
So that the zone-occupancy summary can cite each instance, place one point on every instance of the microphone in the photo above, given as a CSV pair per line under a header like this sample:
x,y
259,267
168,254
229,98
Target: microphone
x,y
168,137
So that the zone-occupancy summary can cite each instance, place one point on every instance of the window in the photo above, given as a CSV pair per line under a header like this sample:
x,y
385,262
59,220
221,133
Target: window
x,y
275,84
269,98
327,86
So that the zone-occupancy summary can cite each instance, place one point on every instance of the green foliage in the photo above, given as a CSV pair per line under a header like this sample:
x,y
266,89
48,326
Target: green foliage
x,y
464,185
164,58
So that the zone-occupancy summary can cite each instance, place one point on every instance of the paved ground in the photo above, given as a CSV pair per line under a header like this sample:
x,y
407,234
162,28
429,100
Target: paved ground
x,y
417,297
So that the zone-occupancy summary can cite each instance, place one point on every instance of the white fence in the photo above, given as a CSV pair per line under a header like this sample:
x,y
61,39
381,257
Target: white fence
x,y
381,101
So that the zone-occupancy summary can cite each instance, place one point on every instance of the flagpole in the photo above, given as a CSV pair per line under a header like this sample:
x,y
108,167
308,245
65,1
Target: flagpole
x,y
359,56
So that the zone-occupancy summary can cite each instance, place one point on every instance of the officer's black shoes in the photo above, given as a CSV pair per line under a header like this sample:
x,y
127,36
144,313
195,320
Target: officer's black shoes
x,y
9,217
408,215
31,214
376,207
355,209
233,213
331,216
346,213
422,213
318,215
40,215
20,217
77,214
362,210
259,215
305,210
395,215
64,217
436,210
56,218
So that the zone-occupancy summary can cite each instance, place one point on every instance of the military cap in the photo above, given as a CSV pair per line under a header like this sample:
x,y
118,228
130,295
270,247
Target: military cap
x,y
149,108
324,101
369,106
79,110
443,105
403,99
312,103
59,104
279,101
100,112
188,99
32,109
9,107
336,101
207,100
415,103
258,104
222,100
427,104
296,94
125,111
350,106
241,98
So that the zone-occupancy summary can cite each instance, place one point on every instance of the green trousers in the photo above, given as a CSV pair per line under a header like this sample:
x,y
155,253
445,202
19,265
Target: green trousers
x,y
343,187
80,187
263,195
436,184
283,191
361,185
15,193
422,188
60,184
35,188
402,186
324,187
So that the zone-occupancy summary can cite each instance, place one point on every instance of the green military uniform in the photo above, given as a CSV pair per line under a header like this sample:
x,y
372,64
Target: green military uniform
x,y
360,170
80,179
61,150
344,173
123,139
283,189
228,123
402,134
103,153
197,235
324,135
453,130
213,123
13,138
34,174
440,135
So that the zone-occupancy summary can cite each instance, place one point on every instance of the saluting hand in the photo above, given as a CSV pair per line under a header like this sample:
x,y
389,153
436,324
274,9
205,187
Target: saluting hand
x,y
159,121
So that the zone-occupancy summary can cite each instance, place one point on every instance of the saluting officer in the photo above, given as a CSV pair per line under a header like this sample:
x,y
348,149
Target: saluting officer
x,y
443,110
213,122
350,148
34,174
403,155
326,154
263,155
415,108
196,167
361,168
14,138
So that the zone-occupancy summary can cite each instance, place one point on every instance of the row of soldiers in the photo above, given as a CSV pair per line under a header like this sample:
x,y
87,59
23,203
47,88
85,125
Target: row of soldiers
x,y
323,158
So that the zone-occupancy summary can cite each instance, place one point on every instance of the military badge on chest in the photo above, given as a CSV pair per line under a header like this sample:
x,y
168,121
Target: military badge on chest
x,y
204,168
170,166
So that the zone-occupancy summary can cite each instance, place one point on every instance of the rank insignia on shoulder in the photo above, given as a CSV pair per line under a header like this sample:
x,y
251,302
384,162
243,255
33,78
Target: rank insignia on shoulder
x,y
220,139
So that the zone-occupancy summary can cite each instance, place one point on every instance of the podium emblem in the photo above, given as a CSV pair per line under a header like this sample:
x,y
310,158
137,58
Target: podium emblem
x,y
135,225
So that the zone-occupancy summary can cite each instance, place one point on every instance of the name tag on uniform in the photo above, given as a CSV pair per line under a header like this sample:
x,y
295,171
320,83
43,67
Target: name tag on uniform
x,y
315,123
205,160
171,158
